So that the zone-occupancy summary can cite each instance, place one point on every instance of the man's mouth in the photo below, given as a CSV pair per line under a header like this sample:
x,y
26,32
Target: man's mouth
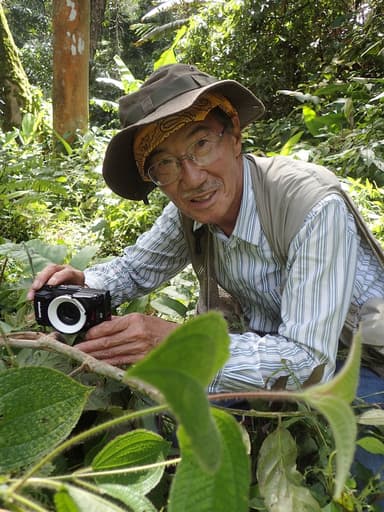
x,y
204,197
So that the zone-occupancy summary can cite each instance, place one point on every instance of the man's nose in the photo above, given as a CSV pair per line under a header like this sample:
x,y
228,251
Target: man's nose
x,y
192,174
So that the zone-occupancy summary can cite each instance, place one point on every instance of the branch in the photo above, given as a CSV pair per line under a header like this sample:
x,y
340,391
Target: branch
x,y
40,341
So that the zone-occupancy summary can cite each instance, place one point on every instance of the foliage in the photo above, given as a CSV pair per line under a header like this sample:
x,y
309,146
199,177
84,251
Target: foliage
x,y
307,38
33,175
55,207
336,124
213,470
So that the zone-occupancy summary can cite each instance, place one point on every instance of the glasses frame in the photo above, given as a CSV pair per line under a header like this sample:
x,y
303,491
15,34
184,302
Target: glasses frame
x,y
187,156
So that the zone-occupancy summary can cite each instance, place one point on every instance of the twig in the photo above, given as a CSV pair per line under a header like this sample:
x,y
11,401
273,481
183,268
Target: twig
x,y
39,341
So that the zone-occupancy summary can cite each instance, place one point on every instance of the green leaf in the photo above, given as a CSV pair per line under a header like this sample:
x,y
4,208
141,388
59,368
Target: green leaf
x,y
168,306
348,111
227,490
82,259
65,143
64,503
28,127
38,409
50,253
138,305
371,445
290,144
135,500
342,421
5,328
372,417
167,57
332,400
136,448
189,403
310,118
87,501
344,383
279,481
180,368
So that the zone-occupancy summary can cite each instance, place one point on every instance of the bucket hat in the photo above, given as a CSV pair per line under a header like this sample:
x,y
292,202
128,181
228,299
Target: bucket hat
x,y
169,90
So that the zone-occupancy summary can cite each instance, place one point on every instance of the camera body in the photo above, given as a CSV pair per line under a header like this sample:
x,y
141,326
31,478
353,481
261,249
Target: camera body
x,y
71,309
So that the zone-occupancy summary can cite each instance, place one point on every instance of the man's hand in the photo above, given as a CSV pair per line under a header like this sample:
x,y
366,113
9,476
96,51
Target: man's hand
x,y
54,275
125,339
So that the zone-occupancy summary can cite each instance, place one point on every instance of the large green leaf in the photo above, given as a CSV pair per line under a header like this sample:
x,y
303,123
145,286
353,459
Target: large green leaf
x,y
227,490
136,448
198,348
332,400
38,409
51,253
189,403
180,368
279,481
342,420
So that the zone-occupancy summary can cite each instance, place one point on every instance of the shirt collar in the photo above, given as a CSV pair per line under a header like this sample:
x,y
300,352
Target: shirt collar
x,y
247,225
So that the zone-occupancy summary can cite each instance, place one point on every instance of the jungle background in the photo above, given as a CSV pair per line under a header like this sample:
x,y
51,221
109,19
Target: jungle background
x,y
319,69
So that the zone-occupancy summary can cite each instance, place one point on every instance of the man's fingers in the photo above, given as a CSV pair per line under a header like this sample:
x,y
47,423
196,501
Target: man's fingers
x,y
54,275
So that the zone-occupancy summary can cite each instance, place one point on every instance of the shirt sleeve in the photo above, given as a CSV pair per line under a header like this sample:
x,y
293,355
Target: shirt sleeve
x,y
157,255
317,293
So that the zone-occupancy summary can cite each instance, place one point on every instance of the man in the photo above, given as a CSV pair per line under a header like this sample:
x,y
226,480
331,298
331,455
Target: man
x,y
278,235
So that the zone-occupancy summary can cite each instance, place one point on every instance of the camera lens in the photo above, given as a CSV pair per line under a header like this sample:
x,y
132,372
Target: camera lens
x,y
68,313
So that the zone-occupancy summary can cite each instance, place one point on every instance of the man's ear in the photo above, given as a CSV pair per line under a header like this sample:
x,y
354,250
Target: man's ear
x,y
236,132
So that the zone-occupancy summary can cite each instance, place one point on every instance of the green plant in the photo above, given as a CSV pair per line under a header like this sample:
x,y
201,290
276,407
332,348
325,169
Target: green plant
x,y
20,263
213,469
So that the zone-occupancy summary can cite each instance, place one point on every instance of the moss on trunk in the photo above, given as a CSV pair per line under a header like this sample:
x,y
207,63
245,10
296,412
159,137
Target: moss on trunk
x,y
15,90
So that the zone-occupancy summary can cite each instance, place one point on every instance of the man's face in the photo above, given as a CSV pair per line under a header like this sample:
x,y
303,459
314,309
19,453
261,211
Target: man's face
x,y
209,194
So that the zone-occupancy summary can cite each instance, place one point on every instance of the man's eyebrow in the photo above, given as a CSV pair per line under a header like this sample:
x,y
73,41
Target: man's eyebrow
x,y
194,130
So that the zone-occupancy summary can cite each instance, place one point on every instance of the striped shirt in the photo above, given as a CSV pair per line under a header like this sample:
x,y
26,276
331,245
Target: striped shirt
x,y
330,272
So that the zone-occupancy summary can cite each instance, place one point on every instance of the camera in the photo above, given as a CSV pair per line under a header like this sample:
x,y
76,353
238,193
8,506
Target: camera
x,y
71,309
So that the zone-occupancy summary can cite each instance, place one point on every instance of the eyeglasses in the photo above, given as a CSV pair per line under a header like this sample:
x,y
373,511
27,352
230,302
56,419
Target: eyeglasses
x,y
202,152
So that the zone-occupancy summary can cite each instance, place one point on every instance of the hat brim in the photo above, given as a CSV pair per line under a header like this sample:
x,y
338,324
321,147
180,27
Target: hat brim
x,y
119,167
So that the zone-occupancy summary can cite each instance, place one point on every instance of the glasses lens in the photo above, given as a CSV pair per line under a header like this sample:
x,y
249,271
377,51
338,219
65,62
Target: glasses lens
x,y
206,150
165,171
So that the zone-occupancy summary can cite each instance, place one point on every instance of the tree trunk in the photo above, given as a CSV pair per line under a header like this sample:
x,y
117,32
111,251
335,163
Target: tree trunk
x,y
15,90
70,95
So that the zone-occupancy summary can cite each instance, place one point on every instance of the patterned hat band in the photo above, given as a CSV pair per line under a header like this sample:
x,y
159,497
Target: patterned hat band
x,y
149,137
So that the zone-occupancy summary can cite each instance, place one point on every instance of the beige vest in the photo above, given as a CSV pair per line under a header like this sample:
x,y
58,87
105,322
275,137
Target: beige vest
x,y
285,191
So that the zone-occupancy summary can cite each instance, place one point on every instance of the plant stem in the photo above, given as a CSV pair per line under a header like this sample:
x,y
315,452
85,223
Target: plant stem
x,y
26,502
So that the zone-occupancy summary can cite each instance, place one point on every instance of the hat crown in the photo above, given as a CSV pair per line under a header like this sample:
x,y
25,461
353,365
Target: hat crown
x,y
163,85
